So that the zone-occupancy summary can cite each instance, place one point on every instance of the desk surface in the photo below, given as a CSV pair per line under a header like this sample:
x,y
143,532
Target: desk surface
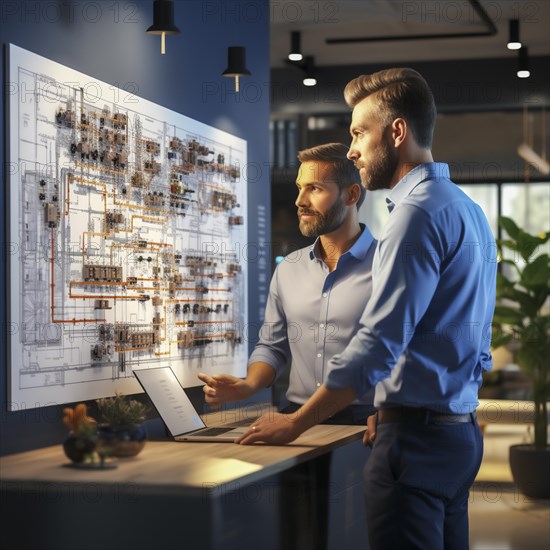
x,y
179,468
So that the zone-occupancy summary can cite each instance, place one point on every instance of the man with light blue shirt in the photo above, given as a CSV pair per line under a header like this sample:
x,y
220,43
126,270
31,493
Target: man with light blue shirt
x,y
317,294
425,335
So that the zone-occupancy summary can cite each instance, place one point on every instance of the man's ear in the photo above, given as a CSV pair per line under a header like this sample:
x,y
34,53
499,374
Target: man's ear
x,y
353,193
399,131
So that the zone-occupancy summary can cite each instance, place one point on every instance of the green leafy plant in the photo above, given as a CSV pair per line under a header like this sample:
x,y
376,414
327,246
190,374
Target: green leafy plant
x,y
520,318
120,410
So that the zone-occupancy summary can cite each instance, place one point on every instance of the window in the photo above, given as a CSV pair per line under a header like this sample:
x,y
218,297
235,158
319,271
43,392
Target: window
x,y
283,143
528,204
486,195
374,212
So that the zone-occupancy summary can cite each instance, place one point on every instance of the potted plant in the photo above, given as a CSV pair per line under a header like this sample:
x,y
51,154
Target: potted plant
x,y
80,444
522,322
122,425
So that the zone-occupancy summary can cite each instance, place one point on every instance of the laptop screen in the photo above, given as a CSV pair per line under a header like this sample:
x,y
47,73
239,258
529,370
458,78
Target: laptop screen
x,y
170,400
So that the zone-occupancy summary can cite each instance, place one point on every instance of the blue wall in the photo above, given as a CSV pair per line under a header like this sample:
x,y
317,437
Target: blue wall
x,y
107,40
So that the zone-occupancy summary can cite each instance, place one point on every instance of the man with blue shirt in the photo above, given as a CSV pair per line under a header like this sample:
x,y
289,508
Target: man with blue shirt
x,y
425,335
317,294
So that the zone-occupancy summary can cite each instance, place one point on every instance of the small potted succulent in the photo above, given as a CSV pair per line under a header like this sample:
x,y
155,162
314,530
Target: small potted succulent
x,y
81,442
121,425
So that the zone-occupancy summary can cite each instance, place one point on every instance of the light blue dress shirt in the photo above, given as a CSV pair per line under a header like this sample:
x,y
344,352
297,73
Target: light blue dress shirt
x,y
312,314
426,332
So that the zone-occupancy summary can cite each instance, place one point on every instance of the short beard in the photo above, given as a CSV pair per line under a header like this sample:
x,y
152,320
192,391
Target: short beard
x,y
325,223
381,170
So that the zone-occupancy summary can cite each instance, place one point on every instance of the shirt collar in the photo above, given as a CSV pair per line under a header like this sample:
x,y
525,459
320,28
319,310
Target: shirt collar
x,y
410,180
358,250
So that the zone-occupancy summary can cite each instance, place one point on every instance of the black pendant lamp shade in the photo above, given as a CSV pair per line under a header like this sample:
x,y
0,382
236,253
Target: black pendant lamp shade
x,y
309,69
514,43
236,64
523,63
295,53
163,20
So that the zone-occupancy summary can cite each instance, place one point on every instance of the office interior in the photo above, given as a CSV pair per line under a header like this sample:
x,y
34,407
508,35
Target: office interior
x,y
485,111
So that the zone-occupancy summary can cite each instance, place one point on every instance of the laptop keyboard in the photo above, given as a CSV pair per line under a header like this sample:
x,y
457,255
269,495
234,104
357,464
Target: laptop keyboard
x,y
244,422
213,431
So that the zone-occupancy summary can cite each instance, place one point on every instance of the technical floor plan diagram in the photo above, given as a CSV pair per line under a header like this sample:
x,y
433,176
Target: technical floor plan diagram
x,y
127,222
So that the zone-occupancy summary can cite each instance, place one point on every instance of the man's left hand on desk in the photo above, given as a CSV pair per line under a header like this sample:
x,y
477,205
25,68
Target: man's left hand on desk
x,y
271,428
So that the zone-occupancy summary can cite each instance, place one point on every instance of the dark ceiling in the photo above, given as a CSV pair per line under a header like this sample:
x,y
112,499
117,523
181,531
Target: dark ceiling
x,y
382,26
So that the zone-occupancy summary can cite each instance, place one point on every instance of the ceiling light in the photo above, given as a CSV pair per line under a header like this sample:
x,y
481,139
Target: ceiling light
x,y
295,53
236,64
309,69
523,63
163,21
513,38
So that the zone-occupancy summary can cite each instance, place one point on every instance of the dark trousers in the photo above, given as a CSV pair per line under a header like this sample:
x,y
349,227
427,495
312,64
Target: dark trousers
x,y
417,482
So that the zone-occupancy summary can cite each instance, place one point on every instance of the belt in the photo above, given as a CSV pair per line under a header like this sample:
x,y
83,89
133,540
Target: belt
x,y
352,414
425,416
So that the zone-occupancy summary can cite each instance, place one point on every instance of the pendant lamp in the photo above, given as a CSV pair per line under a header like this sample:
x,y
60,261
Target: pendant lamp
x,y
514,43
523,63
163,21
295,53
236,64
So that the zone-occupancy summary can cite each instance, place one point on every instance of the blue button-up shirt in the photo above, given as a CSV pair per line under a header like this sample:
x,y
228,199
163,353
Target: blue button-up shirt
x,y
312,314
426,331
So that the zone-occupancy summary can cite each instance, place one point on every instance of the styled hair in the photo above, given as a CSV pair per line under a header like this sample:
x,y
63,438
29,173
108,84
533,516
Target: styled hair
x,y
399,93
335,154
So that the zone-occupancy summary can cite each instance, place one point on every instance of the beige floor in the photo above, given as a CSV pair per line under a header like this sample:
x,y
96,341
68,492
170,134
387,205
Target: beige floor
x,y
501,518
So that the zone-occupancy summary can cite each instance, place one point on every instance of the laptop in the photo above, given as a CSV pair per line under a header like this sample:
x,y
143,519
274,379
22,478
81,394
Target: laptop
x,y
178,413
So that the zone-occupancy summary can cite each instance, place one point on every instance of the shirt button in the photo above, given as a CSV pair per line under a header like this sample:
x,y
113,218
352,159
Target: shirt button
x,y
318,384
322,325
318,355
325,294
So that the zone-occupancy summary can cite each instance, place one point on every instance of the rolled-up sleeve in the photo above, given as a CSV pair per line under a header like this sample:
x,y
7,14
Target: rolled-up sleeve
x,y
272,347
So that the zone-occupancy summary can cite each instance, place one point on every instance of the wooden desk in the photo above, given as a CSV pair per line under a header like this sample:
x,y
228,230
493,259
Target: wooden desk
x,y
505,411
172,495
